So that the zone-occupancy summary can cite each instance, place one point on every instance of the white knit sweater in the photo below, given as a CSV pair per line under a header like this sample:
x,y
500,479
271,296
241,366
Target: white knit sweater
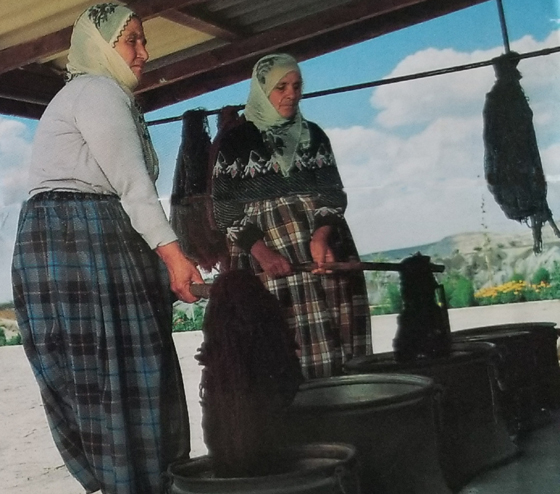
x,y
87,141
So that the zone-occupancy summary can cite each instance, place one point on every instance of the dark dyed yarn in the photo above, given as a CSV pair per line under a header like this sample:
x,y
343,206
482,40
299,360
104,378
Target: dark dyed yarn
x,y
191,204
228,117
192,160
512,162
251,374
423,325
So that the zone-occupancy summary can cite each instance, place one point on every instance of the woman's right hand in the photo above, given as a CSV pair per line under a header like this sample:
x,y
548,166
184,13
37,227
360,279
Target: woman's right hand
x,y
182,271
271,262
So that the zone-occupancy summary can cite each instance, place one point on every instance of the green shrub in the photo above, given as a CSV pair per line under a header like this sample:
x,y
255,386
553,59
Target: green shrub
x,y
554,291
463,293
541,275
5,341
391,302
14,340
394,297
517,278
459,290
182,322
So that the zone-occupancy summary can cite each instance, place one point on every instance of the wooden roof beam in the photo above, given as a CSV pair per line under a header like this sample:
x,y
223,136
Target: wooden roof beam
x,y
51,44
273,39
223,75
186,18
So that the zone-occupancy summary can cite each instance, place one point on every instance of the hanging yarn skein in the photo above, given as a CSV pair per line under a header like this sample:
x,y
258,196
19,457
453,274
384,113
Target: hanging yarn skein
x,y
191,212
512,163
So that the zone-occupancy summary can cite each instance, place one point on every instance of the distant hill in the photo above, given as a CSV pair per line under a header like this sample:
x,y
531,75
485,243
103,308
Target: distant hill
x,y
487,258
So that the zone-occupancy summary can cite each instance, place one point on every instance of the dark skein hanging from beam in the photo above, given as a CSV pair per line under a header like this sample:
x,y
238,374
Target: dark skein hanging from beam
x,y
251,374
512,162
191,203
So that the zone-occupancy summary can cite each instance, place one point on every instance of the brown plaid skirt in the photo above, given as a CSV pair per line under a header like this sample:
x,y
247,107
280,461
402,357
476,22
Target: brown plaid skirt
x,y
329,313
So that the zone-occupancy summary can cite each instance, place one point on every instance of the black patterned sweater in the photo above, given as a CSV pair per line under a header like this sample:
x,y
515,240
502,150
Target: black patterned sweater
x,y
244,172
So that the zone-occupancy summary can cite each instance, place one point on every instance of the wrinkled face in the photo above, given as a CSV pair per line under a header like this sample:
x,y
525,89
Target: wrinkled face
x,y
131,46
285,96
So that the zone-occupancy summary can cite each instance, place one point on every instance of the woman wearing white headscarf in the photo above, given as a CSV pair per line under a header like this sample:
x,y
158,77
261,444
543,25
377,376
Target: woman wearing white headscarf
x,y
279,199
92,294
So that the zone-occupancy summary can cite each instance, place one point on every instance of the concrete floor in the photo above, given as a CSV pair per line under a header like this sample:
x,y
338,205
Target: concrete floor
x,y
535,471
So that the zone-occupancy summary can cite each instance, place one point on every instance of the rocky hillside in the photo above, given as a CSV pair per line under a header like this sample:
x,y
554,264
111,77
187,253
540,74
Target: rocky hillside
x,y
484,257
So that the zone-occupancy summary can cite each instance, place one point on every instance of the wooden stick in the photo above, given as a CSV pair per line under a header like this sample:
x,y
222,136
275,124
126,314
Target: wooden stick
x,y
202,290
361,266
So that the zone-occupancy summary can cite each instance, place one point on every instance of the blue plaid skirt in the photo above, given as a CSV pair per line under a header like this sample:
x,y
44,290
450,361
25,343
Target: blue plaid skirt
x,y
94,310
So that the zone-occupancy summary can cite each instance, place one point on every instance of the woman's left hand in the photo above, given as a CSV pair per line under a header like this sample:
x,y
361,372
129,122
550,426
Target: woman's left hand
x,y
320,249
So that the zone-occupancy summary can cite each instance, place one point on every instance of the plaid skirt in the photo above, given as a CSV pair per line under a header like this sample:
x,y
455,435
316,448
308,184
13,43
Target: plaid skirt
x,y
94,310
329,313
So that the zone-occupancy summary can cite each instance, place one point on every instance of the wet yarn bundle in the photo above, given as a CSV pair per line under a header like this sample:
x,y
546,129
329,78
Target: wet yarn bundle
x,y
423,324
251,374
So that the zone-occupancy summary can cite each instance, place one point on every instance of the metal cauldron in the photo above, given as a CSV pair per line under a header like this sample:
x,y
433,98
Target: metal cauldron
x,y
472,434
305,469
528,369
390,420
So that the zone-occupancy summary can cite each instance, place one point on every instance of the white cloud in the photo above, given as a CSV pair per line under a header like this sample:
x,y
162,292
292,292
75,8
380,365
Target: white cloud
x,y
417,174
8,223
365,156
15,151
551,162
421,101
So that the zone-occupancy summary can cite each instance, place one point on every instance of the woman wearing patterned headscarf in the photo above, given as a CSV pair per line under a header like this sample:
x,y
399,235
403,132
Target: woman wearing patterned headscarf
x,y
279,199
91,291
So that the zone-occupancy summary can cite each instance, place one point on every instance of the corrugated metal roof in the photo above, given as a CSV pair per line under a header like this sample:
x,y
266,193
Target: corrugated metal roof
x,y
195,45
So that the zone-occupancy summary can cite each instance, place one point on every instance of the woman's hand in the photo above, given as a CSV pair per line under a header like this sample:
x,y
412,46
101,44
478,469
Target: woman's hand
x,y
272,263
320,249
182,271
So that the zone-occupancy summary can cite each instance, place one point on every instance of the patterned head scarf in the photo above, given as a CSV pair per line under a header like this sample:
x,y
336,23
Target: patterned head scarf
x,y
92,46
283,135
92,51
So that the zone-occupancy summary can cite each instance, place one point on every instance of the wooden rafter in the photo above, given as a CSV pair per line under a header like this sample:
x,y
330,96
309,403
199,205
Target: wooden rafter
x,y
272,39
51,44
224,74
228,56
185,18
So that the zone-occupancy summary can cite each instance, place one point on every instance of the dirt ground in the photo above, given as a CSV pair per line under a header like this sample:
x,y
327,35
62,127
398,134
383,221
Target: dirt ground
x,y
30,462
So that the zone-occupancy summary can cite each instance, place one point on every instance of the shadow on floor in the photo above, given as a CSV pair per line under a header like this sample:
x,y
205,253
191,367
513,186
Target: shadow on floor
x,y
535,471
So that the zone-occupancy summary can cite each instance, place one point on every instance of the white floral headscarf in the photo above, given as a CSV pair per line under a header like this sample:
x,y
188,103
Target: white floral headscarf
x,y
283,135
92,51
92,46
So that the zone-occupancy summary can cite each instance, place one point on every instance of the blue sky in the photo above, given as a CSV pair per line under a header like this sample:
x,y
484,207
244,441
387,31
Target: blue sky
x,y
410,154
